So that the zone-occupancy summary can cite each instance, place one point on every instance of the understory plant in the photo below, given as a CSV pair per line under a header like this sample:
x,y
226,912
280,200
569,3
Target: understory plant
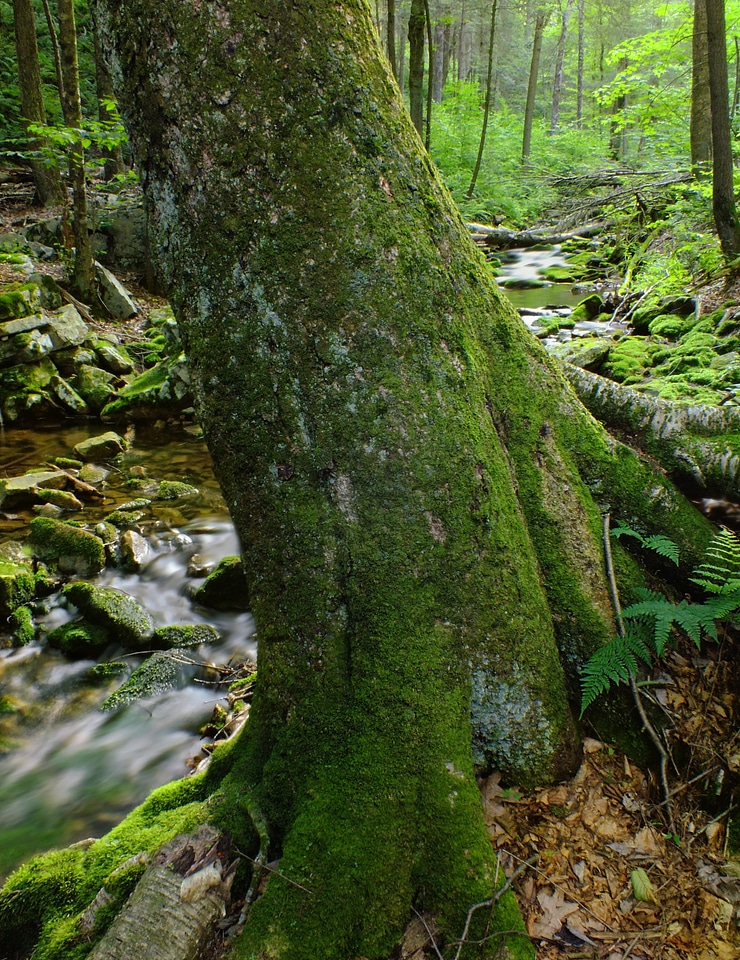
x,y
647,627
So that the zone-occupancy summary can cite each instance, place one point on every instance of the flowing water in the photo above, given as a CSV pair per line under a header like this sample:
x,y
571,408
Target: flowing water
x,y
69,770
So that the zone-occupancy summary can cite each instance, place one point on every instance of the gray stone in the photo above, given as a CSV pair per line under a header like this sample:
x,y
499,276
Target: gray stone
x,y
22,489
104,447
67,328
13,242
113,358
134,550
68,396
34,321
116,300
51,294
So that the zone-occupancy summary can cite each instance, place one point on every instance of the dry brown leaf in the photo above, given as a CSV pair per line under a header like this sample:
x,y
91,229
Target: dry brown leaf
x,y
555,908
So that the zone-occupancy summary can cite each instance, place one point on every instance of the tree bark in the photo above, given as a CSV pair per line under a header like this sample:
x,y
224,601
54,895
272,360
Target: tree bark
x,y
410,475
45,176
700,126
417,26
534,69
723,191
72,110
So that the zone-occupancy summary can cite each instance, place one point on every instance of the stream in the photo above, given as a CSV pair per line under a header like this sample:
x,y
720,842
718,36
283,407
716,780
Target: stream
x,y
70,771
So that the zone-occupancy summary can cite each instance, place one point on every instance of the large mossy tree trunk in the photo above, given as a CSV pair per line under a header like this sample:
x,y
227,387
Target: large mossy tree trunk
x,y
416,488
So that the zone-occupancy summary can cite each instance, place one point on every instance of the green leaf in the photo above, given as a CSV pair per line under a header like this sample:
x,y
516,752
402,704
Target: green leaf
x,y
642,888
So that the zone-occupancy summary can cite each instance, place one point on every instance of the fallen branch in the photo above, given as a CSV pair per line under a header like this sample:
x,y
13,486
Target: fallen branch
x,y
501,238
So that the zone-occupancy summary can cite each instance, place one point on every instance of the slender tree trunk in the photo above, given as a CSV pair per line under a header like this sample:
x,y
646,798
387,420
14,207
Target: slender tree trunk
x,y
487,105
416,65
72,109
391,38
534,69
736,91
618,135
45,175
723,193
430,70
55,48
464,46
401,56
700,127
581,58
440,47
557,82
114,165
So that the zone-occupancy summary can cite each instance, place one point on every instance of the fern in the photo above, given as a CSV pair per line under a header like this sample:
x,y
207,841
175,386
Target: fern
x,y
614,663
653,619
659,544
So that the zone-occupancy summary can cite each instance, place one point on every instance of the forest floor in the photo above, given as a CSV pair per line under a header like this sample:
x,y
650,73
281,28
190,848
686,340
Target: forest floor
x,y
601,865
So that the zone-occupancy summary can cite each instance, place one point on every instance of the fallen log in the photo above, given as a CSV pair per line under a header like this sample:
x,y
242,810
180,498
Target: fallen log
x,y
698,446
503,239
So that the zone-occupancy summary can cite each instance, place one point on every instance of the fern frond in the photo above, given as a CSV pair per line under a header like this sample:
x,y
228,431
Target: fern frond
x,y
662,546
621,529
719,572
612,664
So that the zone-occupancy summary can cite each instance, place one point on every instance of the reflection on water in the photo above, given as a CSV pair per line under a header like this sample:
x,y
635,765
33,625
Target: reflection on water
x,y
71,770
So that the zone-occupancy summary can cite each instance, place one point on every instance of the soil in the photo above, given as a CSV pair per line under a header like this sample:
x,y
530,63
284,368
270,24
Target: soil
x,y
603,867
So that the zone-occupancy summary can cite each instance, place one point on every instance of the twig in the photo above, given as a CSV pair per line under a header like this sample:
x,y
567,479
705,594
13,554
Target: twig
x,y
266,866
429,932
558,886
720,816
633,684
492,901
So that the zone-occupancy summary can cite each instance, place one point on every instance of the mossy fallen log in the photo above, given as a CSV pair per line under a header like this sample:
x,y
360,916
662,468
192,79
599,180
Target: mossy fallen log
x,y
699,446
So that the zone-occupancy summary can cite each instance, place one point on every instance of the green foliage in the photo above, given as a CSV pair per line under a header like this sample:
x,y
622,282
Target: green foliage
x,y
653,620
504,188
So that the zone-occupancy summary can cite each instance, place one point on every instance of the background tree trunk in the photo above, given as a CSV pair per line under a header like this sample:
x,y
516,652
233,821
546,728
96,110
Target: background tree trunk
x,y
557,80
581,59
723,190
45,175
700,127
487,105
114,165
408,472
391,37
534,69
72,110
417,26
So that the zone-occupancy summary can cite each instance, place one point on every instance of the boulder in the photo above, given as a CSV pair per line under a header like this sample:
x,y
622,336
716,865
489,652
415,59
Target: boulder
x,y
190,635
225,588
15,491
79,640
113,357
103,447
68,396
94,385
115,299
121,615
134,550
157,674
67,328
17,586
74,550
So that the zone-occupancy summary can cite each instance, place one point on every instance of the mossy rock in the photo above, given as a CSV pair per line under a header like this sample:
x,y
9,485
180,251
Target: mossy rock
x,y
589,354
184,635
174,490
120,615
667,325
17,586
225,588
75,550
96,386
19,300
22,626
568,273
642,317
631,357
588,309
103,672
521,283
157,674
79,640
